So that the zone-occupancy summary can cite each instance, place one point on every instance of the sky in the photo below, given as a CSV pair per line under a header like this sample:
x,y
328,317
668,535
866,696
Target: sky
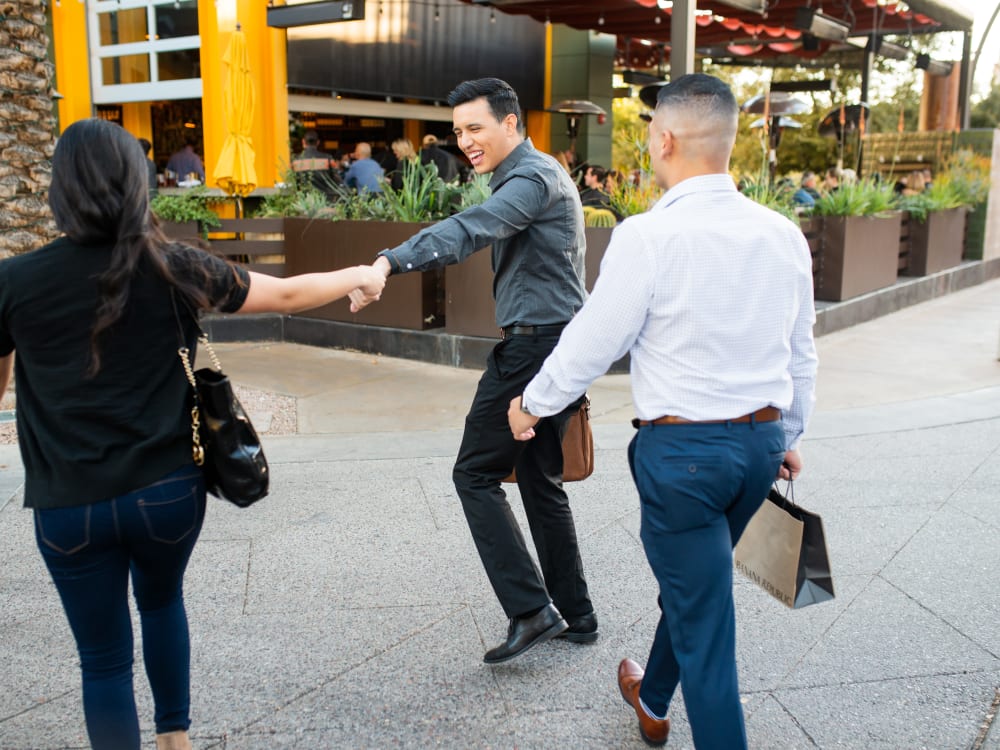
x,y
990,55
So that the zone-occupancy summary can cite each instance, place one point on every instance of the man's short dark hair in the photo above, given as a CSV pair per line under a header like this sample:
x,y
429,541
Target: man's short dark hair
x,y
599,172
701,86
311,137
145,145
498,94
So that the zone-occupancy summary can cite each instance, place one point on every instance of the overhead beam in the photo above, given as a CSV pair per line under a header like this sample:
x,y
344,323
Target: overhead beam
x,y
682,28
951,13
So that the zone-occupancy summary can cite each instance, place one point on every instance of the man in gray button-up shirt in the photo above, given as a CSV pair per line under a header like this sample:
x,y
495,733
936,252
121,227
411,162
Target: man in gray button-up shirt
x,y
534,223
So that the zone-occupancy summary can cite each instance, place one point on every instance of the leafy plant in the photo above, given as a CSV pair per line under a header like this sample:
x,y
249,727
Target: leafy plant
x,y
474,192
776,196
296,196
862,198
629,197
422,196
349,205
940,196
312,204
967,177
189,205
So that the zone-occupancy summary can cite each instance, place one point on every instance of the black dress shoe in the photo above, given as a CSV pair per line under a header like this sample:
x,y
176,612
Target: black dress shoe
x,y
525,632
581,629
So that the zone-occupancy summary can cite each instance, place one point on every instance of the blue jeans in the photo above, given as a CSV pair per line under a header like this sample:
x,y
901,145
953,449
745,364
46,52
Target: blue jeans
x,y
90,551
699,485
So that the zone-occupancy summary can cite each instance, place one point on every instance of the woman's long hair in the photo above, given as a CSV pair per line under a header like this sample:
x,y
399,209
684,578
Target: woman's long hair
x,y
99,197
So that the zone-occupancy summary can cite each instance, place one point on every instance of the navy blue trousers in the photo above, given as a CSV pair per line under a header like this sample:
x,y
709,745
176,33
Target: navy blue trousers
x,y
699,485
90,550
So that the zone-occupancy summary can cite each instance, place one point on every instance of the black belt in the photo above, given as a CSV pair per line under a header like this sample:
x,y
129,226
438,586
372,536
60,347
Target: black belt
x,y
548,330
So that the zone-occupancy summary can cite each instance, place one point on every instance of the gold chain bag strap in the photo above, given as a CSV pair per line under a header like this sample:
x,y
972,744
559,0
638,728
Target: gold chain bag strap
x,y
224,443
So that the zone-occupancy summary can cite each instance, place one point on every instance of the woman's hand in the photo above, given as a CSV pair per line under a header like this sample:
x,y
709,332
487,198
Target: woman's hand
x,y
372,281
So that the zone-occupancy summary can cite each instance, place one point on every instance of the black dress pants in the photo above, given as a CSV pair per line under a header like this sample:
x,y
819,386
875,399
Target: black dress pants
x,y
487,455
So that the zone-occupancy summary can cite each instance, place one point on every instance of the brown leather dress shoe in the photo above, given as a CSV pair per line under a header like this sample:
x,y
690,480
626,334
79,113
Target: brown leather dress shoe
x,y
653,731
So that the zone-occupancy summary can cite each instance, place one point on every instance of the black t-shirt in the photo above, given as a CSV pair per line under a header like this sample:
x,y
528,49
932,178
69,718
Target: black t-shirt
x,y
88,439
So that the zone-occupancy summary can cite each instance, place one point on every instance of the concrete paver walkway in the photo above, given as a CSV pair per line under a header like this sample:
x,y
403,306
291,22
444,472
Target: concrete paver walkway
x,y
350,610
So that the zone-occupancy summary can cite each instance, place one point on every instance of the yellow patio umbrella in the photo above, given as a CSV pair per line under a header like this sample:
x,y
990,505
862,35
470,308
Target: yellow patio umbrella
x,y
235,172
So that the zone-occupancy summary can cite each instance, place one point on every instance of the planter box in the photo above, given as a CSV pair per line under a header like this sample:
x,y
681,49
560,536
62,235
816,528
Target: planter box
x,y
936,244
469,306
184,230
858,254
315,245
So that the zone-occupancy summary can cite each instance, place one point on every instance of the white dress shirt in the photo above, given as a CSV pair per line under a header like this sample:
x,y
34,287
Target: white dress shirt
x,y
712,296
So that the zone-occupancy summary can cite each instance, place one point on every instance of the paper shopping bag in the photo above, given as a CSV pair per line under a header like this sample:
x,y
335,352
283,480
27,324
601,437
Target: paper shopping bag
x,y
783,550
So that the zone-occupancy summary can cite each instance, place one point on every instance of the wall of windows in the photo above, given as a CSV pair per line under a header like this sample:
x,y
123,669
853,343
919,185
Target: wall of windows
x,y
144,50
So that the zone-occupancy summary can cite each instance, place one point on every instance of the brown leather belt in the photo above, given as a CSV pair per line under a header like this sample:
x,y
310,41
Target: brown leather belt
x,y
767,414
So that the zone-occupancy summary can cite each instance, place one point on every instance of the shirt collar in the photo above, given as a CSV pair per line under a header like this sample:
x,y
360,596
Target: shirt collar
x,y
511,161
705,183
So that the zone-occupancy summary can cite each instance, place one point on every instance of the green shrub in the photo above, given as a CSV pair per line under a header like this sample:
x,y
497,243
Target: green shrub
x,y
776,196
189,205
474,192
862,198
295,193
966,176
940,196
423,196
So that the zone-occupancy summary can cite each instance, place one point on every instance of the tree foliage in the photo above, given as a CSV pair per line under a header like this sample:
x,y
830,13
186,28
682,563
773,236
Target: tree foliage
x,y
986,113
897,85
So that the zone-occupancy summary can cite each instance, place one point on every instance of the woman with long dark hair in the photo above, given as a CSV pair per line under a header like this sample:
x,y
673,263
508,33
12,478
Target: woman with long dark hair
x,y
95,318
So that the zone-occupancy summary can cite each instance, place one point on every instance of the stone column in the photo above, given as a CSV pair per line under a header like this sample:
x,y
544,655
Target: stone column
x,y
27,127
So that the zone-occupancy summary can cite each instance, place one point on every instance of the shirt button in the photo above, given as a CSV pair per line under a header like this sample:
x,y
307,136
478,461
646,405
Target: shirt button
x,y
692,469
409,265
435,255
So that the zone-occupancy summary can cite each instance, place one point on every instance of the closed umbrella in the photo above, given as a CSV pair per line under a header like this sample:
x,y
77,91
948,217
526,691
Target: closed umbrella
x,y
235,172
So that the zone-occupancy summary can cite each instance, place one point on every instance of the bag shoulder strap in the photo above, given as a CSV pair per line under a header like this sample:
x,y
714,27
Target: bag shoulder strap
x,y
182,348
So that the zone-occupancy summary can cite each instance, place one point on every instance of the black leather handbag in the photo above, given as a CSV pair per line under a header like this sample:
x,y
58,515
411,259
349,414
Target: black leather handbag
x,y
223,441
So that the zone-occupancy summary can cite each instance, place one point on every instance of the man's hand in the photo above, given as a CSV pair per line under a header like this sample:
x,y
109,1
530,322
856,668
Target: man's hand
x,y
521,424
371,288
791,467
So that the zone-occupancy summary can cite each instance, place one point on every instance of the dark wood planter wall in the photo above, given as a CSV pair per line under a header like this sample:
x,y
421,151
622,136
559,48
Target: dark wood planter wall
x,y
935,244
409,300
259,244
858,254
469,306
852,255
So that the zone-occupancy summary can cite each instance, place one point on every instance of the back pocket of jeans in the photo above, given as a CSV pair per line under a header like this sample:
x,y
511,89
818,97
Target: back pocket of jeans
x,y
170,519
64,530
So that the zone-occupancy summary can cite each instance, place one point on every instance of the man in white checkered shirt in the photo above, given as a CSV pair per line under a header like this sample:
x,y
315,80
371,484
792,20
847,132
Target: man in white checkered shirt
x,y
711,294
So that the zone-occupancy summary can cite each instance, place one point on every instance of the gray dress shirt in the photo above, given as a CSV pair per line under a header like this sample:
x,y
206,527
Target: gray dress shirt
x,y
534,222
